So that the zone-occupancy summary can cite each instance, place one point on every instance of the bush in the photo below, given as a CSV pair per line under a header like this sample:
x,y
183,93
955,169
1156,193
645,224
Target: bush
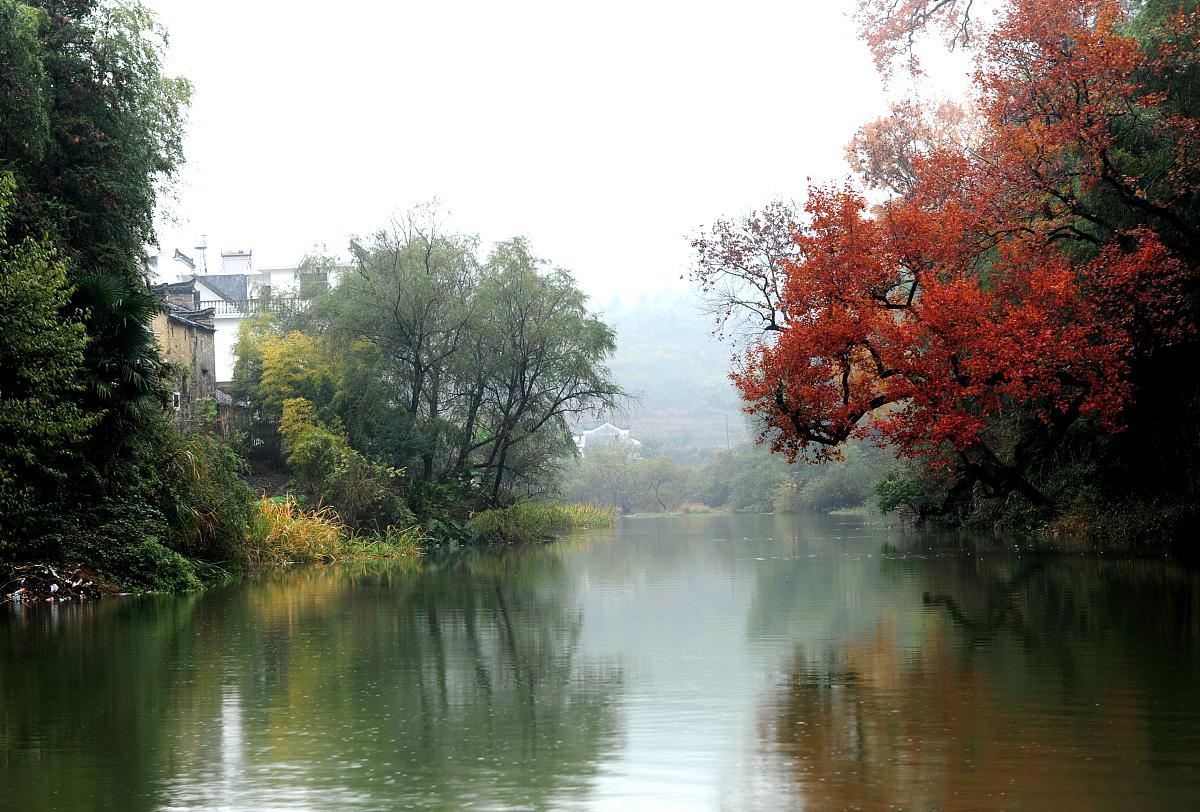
x,y
213,503
532,521
284,533
122,542
366,494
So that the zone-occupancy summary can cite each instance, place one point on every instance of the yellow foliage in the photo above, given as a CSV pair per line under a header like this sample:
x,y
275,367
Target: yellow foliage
x,y
296,365
284,533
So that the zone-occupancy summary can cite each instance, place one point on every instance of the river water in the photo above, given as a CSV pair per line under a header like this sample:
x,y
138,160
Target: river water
x,y
719,662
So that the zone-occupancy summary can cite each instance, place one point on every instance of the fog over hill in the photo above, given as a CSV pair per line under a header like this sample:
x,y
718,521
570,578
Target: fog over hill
x,y
668,358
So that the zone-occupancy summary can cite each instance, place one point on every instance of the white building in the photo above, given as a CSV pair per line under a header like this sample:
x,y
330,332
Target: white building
x,y
603,435
236,290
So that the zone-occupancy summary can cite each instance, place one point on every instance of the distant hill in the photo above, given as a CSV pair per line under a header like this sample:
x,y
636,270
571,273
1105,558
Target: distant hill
x,y
667,356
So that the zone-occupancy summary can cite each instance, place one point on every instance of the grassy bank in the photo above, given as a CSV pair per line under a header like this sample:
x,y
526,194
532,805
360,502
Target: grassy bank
x,y
1130,526
281,532
533,521
284,533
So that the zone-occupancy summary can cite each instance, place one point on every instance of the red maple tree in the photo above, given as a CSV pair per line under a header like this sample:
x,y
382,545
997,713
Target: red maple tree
x,y
1026,263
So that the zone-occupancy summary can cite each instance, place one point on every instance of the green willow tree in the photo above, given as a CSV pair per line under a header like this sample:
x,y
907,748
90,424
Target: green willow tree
x,y
462,373
545,365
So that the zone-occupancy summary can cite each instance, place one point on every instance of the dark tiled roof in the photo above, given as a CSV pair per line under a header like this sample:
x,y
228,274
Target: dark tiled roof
x,y
174,287
192,318
230,286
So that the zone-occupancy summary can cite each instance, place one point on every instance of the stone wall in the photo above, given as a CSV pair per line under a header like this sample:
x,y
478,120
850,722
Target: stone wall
x,y
191,347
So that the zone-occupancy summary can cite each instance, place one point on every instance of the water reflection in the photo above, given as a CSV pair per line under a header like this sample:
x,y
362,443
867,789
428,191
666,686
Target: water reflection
x,y
1022,684
694,663
316,689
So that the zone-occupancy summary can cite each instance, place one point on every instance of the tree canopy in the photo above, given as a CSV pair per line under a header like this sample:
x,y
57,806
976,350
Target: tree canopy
x,y
428,359
1032,266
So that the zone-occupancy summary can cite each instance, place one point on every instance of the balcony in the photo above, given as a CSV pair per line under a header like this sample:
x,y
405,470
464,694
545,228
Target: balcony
x,y
253,307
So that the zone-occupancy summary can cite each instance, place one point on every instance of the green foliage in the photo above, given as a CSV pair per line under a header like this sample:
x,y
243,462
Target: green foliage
x,y
212,501
24,85
426,383
367,494
91,132
312,450
533,521
848,483
745,480
96,133
756,479
123,541
40,355
608,475
900,491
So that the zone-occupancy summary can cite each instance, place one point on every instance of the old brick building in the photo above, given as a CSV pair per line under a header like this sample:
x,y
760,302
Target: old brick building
x,y
185,336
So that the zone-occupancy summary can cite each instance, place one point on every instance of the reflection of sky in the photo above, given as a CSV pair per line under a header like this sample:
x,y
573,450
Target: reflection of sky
x,y
693,663
241,777
684,616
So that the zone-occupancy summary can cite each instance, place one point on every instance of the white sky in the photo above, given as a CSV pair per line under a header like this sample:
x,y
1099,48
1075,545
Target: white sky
x,y
606,133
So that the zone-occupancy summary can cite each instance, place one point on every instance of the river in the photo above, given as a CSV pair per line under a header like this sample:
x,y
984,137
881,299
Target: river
x,y
709,662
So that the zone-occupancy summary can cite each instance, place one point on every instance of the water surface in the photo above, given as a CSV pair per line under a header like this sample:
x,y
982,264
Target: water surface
x,y
687,663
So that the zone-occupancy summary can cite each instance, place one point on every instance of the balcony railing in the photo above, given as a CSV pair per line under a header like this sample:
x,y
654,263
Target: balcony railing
x,y
253,307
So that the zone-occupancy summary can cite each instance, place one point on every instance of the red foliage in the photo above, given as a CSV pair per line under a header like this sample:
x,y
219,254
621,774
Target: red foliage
x,y
890,27
990,285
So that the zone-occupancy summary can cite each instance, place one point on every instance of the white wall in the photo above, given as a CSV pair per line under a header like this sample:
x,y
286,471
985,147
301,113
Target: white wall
x,y
226,336
281,280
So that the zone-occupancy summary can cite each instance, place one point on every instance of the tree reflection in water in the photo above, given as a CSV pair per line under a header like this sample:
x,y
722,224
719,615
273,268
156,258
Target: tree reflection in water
x,y
325,687
1036,684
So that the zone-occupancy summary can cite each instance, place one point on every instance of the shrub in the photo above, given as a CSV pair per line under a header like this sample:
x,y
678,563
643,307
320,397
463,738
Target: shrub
x,y
213,503
366,494
284,533
121,541
531,521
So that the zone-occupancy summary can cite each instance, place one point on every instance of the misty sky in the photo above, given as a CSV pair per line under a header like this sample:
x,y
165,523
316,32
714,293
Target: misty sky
x,y
606,133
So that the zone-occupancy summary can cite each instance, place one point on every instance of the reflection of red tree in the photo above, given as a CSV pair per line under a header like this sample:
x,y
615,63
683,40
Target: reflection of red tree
x,y
879,730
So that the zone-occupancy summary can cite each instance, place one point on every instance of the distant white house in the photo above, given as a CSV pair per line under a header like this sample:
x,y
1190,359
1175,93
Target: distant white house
x,y
604,434
235,292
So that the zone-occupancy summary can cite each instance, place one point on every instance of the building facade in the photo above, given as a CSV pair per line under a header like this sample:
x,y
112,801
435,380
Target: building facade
x,y
236,291
186,339
605,434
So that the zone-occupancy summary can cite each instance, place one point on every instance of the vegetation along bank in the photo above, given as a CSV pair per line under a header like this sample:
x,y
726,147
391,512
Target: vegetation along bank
x,y
429,387
1005,294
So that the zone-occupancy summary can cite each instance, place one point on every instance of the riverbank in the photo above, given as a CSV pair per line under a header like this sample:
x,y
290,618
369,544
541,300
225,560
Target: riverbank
x,y
283,533
1127,526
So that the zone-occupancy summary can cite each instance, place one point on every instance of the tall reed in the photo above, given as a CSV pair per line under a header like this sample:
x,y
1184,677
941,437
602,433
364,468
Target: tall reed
x,y
284,533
